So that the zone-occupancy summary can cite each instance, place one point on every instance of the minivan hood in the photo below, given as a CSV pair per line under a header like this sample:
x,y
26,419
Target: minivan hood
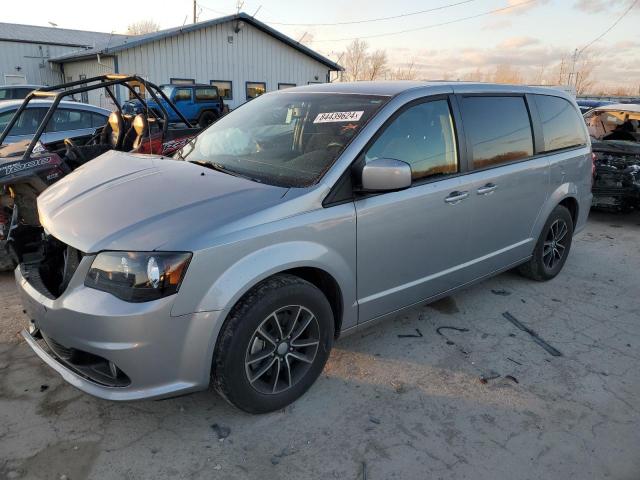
x,y
122,201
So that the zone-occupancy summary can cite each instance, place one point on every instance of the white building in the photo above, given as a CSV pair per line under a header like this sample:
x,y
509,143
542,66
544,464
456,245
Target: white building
x,y
242,56
26,51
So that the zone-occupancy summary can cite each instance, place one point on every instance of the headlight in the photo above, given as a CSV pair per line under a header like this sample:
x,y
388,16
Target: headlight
x,y
138,276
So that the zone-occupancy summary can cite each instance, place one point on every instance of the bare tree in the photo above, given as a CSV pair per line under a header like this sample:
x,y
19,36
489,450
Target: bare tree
x,y
355,60
584,81
376,65
506,74
359,64
142,26
404,72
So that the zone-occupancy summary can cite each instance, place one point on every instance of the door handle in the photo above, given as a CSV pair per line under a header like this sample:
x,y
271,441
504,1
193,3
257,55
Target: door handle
x,y
487,189
456,197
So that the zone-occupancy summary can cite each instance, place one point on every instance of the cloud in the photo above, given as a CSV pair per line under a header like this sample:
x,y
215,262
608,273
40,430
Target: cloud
x,y
525,6
518,42
599,6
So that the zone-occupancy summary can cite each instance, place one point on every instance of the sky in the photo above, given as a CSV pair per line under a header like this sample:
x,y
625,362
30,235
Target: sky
x,y
529,37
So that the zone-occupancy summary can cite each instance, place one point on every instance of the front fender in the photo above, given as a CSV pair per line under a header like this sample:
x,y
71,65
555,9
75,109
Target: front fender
x,y
241,276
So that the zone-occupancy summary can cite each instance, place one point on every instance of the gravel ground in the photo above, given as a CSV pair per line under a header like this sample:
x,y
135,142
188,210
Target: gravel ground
x,y
385,407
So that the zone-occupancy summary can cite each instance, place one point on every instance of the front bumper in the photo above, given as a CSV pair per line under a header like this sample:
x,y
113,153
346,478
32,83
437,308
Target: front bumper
x,y
156,354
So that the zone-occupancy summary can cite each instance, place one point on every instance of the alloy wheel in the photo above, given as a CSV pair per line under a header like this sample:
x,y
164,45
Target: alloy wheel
x,y
282,349
555,244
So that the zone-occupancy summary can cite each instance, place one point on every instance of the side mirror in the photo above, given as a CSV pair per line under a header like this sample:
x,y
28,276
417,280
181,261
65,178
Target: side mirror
x,y
385,174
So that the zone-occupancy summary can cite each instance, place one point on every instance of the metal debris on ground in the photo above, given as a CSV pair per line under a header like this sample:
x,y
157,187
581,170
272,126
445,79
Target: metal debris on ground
x,y
221,431
512,378
44,387
501,291
450,342
374,420
514,361
534,335
485,379
364,471
418,334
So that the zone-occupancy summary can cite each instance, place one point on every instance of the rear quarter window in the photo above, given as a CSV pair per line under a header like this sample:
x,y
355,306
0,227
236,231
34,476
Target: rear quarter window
x,y
562,126
498,129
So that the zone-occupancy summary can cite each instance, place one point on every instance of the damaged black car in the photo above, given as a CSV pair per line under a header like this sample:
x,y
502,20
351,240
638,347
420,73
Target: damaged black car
x,y
615,137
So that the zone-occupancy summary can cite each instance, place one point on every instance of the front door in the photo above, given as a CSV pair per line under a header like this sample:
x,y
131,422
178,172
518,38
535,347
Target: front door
x,y
413,244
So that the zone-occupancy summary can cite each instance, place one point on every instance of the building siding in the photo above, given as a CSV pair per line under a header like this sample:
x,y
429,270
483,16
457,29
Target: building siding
x,y
91,68
206,54
32,60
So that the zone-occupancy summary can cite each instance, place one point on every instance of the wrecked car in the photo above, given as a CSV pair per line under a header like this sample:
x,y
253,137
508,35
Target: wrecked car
x,y
29,166
615,133
299,217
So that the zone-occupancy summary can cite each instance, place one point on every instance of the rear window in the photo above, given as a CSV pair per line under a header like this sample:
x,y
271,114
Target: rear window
x,y
498,129
562,127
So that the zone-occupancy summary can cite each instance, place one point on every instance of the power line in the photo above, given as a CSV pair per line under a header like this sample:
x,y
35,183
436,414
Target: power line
x,y
624,14
379,19
434,25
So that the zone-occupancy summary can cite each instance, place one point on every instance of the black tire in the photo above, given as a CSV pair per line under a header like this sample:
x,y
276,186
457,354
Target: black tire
x,y
207,118
545,263
292,300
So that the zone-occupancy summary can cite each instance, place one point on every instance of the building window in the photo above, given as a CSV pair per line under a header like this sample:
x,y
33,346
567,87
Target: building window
x,y
225,88
182,81
282,86
84,96
255,89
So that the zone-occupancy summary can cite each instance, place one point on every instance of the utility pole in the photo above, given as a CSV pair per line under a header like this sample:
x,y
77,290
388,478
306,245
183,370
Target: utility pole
x,y
195,18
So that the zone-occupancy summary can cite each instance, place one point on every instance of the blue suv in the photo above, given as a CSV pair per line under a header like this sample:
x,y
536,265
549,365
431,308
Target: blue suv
x,y
199,104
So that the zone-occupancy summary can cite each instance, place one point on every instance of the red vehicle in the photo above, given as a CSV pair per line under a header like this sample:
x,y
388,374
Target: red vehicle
x,y
27,168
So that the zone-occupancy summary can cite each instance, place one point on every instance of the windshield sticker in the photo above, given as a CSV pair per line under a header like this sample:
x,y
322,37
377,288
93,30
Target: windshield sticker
x,y
338,117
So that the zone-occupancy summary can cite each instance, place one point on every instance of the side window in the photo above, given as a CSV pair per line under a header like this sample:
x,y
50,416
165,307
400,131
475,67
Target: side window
x,y
28,122
5,118
182,95
498,129
207,94
225,88
98,120
562,127
65,119
422,136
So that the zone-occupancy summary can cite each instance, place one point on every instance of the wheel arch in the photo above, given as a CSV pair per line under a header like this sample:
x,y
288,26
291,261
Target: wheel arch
x,y
565,195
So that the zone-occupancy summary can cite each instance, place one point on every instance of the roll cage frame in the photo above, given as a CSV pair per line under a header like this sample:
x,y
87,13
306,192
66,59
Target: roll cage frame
x,y
85,85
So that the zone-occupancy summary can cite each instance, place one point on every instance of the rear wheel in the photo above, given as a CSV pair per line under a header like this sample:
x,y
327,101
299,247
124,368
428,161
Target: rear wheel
x,y
552,248
207,118
274,344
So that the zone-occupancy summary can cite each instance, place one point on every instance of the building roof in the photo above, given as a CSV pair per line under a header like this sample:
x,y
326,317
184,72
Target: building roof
x,y
124,42
14,32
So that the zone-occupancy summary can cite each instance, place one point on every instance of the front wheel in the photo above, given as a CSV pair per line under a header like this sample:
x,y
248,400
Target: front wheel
x,y
274,344
552,249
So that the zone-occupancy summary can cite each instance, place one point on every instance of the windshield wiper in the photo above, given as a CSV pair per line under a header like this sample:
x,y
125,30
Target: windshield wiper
x,y
221,168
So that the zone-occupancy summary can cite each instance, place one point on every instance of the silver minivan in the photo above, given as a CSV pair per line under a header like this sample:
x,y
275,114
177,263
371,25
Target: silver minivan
x,y
298,218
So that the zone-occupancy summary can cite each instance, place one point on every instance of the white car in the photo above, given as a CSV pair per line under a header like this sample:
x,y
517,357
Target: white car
x,y
17,92
70,120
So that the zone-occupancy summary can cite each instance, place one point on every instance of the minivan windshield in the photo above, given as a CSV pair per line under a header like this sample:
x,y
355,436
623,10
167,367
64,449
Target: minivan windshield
x,y
285,139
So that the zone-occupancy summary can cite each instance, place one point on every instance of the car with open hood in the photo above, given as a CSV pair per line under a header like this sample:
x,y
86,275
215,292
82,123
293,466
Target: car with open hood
x,y
615,137
300,217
